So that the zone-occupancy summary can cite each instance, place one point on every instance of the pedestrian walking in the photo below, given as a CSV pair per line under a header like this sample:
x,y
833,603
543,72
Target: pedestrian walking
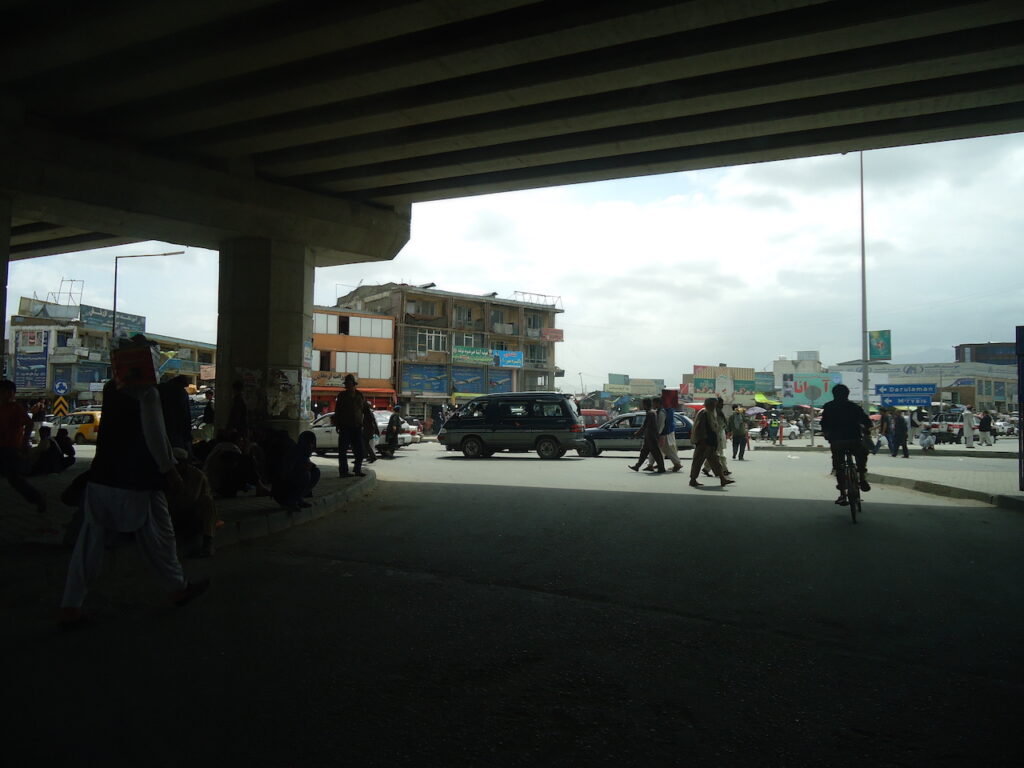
x,y
738,428
209,418
649,433
15,426
666,436
705,444
348,420
969,426
721,429
130,473
370,432
899,431
985,428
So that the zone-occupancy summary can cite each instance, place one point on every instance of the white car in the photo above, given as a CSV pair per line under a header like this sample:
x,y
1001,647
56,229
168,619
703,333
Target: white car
x,y
327,436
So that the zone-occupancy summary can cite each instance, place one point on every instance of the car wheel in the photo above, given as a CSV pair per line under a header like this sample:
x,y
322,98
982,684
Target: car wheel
x,y
547,448
588,449
79,439
473,448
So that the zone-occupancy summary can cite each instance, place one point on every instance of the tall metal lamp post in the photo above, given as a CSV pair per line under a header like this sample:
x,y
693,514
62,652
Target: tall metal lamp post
x,y
117,259
864,299
582,390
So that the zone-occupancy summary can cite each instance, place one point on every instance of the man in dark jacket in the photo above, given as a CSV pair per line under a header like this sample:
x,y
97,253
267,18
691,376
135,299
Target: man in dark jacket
x,y
899,431
177,412
649,433
846,427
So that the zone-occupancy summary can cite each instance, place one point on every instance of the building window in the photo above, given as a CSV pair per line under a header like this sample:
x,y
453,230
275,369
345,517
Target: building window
x,y
497,316
421,307
323,360
536,354
503,345
364,365
534,321
431,341
463,315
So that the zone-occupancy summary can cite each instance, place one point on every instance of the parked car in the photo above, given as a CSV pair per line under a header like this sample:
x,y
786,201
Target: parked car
x,y
618,434
545,422
593,417
82,426
949,427
789,431
413,428
327,436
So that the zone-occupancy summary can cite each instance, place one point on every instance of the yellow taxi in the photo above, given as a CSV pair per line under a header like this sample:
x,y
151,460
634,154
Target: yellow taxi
x,y
82,426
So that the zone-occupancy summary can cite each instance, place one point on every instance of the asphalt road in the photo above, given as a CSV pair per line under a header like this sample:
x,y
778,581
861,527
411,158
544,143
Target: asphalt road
x,y
512,611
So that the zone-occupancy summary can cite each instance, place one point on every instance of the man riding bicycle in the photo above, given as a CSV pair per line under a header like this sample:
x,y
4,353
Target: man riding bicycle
x,y
845,426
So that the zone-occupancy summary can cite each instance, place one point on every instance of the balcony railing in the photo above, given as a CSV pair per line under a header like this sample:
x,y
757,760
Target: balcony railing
x,y
468,325
505,329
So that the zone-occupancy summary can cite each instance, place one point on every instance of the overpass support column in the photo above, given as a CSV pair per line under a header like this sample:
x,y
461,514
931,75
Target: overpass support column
x,y
265,331
5,256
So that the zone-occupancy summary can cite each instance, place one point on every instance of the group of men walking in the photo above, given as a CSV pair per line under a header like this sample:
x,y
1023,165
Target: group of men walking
x,y
710,427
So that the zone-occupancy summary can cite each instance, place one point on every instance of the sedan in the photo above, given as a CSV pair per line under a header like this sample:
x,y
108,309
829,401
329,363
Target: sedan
x,y
327,436
619,434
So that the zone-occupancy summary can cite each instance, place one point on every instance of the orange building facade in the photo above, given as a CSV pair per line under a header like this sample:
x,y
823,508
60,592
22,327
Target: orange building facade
x,y
359,343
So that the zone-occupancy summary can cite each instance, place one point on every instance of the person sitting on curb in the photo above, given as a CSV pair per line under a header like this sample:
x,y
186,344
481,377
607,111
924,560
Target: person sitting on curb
x,y
45,457
67,447
231,469
295,475
191,505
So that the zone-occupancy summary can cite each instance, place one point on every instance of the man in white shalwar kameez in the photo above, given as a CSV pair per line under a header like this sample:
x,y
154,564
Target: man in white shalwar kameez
x,y
969,425
125,493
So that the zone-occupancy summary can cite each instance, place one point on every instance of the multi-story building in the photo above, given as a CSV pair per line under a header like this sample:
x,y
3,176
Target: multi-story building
x,y
451,346
64,349
992,353
359,343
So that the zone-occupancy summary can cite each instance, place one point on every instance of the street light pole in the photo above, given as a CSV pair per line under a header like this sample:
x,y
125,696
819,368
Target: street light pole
x,y
582,390
864,299
113,319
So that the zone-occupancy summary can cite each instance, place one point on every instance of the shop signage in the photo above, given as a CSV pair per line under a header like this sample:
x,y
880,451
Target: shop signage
x,y
475,355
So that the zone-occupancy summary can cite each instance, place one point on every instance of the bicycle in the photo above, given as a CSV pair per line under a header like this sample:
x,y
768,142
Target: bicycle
x,y
850,480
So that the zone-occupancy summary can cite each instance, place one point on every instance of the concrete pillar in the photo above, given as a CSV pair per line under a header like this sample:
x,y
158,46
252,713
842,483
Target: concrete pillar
x,y
5,255
265,331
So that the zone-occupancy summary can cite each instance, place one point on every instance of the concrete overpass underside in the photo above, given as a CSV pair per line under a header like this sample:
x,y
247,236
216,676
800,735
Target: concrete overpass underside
x,y
251,126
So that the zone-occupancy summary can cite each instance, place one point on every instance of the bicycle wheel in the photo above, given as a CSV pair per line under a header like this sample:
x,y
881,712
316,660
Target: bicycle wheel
x,y
852,487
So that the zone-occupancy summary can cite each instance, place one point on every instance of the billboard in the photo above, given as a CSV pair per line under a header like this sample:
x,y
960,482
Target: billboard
x,y
506,358
764,382
475,355
552,334
807,388
467,380
880,345
102,319
31,357
425,378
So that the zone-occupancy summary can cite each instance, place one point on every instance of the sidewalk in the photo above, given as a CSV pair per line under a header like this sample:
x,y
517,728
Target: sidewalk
x,y
922,472
244,517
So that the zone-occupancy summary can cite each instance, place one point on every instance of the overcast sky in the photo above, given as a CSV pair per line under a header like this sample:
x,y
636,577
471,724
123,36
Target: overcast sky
x,y
656,274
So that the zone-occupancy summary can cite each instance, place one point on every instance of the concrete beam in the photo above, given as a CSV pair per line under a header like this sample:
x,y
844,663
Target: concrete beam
x,y
127,194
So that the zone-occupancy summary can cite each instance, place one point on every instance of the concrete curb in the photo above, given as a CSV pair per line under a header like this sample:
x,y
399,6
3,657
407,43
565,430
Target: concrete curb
x,y
962,452
265,523
938,489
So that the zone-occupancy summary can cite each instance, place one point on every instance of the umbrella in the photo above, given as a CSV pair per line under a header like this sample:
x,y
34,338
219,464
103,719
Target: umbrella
x,y
755,410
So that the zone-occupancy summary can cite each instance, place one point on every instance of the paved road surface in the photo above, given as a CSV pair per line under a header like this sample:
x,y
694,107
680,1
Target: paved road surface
x,y
519,612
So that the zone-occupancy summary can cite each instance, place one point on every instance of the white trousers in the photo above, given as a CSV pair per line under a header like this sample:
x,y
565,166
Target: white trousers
x,y
143,513
986,438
